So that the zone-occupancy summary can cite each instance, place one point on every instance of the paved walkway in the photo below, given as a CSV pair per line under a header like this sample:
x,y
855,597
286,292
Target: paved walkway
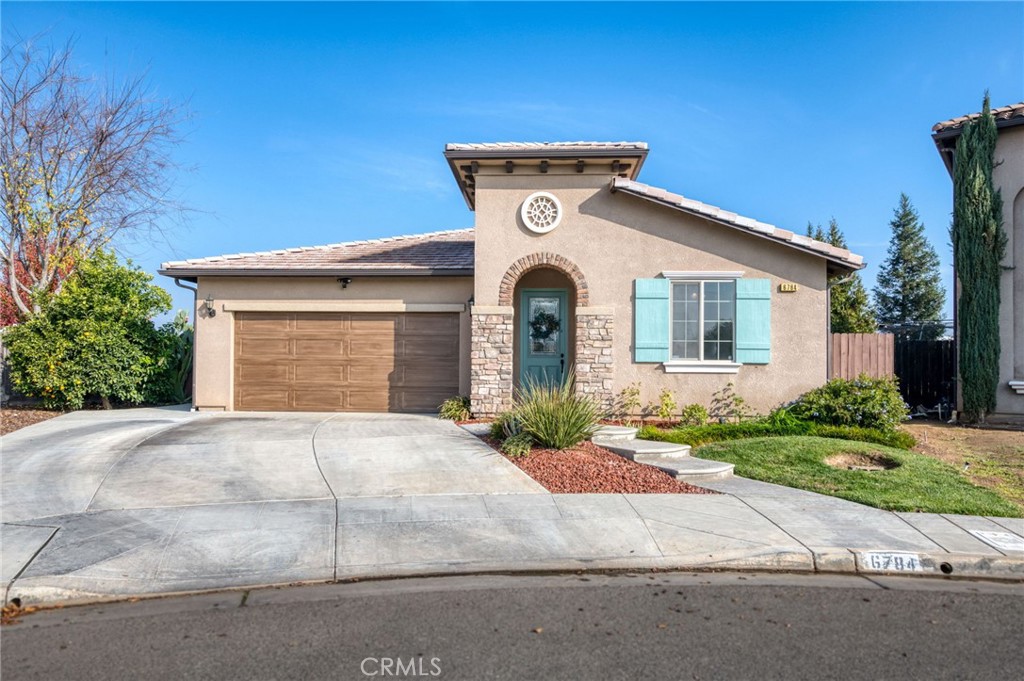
x,y
99,544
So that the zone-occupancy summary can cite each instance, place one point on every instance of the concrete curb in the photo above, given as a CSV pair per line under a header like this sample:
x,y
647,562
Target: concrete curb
x,y
821,560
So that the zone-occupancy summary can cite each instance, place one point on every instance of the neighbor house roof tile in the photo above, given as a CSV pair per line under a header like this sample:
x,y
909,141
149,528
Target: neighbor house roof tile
x,y
1008,113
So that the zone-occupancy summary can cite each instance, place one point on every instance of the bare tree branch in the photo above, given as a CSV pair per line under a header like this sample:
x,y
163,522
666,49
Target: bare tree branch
x,y
83,162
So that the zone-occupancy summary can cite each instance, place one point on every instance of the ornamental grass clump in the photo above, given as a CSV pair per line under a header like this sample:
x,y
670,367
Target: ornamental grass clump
x,y
455,409
554,415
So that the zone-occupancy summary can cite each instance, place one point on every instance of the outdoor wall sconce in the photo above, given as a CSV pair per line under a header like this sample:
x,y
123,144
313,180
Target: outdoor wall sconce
x,y
208,306
344,281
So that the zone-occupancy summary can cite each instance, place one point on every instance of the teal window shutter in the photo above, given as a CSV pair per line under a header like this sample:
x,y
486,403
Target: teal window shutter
x,y
650,320
753,321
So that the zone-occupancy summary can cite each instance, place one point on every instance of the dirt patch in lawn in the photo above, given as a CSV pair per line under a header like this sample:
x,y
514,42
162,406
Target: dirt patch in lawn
x,y
589,469
861,461
13,418
991,457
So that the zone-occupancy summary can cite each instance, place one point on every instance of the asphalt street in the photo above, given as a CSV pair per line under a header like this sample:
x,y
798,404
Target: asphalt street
x,y
577,626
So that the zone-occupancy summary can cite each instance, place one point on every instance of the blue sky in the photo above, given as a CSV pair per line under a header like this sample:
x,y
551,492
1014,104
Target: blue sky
x,y
317,123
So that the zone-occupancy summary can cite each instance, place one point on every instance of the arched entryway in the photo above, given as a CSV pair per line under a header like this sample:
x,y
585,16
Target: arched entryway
x,y
544,325
501,333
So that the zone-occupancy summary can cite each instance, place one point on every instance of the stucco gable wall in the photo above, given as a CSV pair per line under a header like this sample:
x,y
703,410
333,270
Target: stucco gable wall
x,y
215,335
616,238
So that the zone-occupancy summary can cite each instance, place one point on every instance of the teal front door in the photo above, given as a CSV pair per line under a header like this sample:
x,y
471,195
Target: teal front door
x,y
542,335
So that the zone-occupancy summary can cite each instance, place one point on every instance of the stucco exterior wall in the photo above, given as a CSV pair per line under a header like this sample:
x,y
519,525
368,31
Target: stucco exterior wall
x,y
1009,177
215,335
616,238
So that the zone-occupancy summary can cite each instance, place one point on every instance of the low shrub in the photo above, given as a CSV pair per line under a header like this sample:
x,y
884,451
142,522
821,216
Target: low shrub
x,y
694,415
897,438
554,414
172,363
517,445
506,425
667,405
864,402
628,403
455,409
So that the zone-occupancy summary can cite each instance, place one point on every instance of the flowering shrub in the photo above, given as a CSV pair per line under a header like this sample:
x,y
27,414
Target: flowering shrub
x,y
864,402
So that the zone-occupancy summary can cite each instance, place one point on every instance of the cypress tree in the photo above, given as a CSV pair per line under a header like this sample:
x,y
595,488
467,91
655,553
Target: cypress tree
x,y
979,244
909,285
850,310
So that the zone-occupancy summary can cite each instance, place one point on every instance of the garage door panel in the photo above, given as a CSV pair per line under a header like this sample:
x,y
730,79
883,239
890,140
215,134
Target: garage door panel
x,y
368,400
421,400
264,322
265,347
320,323
320,374
423,375
439,348
345,361
262,399
263,374
319,347
316,398
375,324
430,324
370,373
367,347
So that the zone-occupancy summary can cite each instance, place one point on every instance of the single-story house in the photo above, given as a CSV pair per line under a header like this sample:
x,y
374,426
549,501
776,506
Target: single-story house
x,y
1008,177
572,263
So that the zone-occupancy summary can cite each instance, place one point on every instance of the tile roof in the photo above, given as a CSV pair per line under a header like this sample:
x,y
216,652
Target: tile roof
x,y
679,202
549,146
1011,113
414,254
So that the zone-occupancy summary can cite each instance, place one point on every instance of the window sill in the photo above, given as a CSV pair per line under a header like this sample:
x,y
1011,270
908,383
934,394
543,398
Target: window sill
x,y
680,367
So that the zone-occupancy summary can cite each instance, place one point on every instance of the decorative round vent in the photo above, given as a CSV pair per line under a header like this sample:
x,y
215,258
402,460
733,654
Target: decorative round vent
x,y
541,212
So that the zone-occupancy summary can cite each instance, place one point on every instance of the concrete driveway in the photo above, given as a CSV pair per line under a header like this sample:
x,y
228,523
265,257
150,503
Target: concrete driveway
x,y
159,495
156,501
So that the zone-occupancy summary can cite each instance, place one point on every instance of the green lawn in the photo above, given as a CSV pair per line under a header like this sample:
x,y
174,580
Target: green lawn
x,y
919,483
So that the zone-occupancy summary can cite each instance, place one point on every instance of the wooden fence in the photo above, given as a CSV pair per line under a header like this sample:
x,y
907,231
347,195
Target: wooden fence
x,y
862,353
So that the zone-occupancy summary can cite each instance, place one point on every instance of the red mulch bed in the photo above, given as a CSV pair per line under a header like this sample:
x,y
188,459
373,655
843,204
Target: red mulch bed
x,y
589,469
14,418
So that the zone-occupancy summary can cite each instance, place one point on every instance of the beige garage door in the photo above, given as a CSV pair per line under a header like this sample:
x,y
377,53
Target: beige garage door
x,y
319,361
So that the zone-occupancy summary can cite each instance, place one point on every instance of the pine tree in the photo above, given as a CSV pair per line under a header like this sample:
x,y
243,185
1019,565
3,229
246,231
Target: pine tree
x,y
979,244
850,310
909,285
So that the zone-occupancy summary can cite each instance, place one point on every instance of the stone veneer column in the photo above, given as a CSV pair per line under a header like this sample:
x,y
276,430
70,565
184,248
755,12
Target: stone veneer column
x,y
595,366
491,360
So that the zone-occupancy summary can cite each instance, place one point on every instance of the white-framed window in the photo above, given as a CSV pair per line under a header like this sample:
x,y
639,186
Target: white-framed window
x,y
703,321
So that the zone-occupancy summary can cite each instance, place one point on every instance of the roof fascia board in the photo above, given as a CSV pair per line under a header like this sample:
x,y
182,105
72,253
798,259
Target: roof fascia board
x,y
456,155
188,273
945,140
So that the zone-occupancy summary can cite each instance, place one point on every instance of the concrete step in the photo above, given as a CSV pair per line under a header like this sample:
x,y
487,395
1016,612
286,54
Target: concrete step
x,y
631,449
616,433
690,469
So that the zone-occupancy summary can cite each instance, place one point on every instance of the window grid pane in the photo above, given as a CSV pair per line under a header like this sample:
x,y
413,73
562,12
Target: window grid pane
x,y
703,320
685,320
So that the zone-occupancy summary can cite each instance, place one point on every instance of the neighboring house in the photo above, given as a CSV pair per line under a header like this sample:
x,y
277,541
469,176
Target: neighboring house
x,y
1008,177
573,263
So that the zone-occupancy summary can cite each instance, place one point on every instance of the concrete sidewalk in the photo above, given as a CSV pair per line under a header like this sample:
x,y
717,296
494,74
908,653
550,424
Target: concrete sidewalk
x,y
278,527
